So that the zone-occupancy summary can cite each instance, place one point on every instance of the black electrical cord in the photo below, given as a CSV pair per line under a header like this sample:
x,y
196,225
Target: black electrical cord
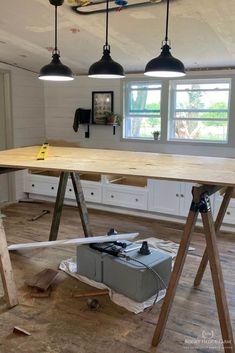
x,y
128,258
167,21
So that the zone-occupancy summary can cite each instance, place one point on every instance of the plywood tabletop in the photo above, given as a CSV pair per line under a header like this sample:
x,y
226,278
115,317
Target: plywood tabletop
x,y
204,170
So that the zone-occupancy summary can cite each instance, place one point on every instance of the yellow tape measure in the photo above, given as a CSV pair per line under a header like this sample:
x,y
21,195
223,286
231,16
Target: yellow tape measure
x,y
43,151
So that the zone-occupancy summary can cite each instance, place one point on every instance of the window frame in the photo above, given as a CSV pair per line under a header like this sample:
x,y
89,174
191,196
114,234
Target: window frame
x,y
172,109
126,97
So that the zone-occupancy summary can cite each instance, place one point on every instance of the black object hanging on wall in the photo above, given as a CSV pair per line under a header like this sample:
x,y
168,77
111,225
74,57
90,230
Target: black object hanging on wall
x,y
82,116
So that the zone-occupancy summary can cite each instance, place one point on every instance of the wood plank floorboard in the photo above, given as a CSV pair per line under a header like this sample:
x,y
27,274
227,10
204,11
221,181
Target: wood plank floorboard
x,y
63,324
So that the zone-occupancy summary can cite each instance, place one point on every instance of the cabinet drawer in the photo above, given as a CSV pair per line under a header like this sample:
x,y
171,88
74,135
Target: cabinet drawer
x,y
125,197
92,193
41,185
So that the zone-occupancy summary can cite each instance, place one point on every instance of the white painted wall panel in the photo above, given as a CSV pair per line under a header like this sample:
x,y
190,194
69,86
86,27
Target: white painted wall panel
x,y
61,101
27,112
4,191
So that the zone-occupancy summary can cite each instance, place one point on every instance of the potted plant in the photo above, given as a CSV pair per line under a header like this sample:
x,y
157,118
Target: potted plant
x,y
156,135
112,118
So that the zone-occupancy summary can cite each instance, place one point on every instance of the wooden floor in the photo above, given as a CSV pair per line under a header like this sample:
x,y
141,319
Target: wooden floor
x,y
63,324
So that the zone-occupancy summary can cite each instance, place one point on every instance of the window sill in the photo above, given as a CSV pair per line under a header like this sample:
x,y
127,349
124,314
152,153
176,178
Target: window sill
x,y
196,143
177,142
140,140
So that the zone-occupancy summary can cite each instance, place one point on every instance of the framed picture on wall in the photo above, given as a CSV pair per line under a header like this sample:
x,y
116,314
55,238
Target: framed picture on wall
x,y
102,102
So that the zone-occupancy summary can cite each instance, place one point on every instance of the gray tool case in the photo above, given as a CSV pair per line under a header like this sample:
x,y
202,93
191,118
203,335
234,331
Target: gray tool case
x,y
127,277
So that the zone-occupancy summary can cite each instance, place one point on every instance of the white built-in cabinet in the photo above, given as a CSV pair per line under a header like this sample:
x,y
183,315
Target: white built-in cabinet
x,y
230,213
171,198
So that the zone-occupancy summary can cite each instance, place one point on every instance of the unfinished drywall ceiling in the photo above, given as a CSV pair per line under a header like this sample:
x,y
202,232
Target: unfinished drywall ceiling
x,y
202,34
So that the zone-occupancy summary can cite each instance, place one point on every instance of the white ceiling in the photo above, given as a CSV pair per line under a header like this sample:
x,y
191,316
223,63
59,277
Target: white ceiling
x,y
202,34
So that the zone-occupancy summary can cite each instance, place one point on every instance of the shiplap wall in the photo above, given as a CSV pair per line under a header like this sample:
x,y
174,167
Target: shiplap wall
x,y
27,109
61,101
27,112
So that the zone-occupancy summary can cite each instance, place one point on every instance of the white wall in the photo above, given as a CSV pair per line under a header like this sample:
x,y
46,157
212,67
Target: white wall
x,y
26,117
61,101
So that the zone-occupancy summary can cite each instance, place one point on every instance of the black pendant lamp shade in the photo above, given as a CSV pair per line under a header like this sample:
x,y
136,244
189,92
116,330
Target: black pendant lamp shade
x,y
106,67
56,71
165,65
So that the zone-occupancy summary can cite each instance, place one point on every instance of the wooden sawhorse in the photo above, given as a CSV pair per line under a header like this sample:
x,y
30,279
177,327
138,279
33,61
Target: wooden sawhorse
x,y
5,262
201,203
77,187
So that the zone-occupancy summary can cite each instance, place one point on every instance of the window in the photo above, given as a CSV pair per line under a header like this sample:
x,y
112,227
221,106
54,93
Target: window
x,y
142,109
199,110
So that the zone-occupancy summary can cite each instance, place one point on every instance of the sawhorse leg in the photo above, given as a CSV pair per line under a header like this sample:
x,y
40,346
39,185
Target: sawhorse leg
x,y
201,203
77,187
6,271
59,204
218,282
175,276
218,222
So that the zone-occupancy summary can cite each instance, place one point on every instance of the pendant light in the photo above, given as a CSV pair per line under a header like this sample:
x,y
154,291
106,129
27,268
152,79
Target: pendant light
x,y
56,71
165,65
106,67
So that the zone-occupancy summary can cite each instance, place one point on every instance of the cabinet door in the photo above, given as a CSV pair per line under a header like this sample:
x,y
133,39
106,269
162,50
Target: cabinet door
x,y
185,198
164,196
229,217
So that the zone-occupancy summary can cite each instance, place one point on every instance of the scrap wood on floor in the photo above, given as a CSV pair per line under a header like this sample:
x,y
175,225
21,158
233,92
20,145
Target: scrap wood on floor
x,y
21,331
41,283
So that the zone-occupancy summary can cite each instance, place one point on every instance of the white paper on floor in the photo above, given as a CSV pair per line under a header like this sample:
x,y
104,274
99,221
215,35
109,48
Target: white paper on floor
x,y
70,267
166,246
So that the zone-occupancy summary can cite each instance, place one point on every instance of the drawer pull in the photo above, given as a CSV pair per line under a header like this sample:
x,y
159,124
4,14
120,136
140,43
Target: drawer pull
x,y
136,200
70,190
177,195
112,196
228,212
92,193
33,185
181,195
52,188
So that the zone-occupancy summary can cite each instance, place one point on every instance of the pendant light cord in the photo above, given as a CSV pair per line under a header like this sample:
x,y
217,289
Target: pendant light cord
x,y
167,20
56,50
107,25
